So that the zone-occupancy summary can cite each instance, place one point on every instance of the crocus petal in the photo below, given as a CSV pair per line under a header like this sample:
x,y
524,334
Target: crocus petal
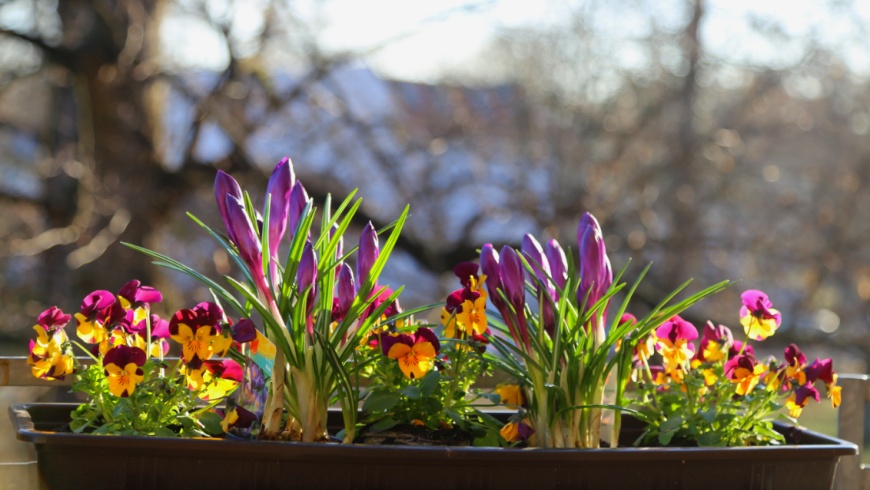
x,y
243,235
298,201
278,192
225,185
345,290
368,253
596,274
539,262
489,266
558,263
512,277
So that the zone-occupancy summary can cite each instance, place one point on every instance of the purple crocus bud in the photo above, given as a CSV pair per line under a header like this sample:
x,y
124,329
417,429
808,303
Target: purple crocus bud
x,y
298,201
558,263
345,290
490,268
278,195
511,271
339,250
226,185
242,233
541,267
596,275
367,253
306,274
539,262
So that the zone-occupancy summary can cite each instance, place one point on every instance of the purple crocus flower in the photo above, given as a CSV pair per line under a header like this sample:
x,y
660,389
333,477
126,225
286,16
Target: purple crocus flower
x,y
306,274
596,275
367,253
278,195
225,185
510,269
241,231
541,267
345,291
490,268
298,201
558,263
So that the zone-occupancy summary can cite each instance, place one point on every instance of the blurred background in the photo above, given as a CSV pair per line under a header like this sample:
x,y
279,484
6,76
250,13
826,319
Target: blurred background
x,y
716,138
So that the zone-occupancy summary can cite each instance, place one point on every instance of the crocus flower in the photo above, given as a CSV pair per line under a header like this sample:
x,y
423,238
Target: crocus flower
x,y
541,267
558,263
306,273
278,195
244,235
415,352
596,275
510,269
298,200
345,292
225,185
745,371
91,319
123,368
674,342
489,267
367,253
757,315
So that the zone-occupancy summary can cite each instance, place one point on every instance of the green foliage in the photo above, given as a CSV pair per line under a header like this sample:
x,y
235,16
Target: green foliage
x,y
162,405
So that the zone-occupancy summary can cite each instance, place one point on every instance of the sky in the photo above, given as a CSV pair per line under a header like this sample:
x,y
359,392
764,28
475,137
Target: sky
x,y
419,40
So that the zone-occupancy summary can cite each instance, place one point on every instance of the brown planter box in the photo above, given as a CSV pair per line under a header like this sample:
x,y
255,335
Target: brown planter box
x,y
73,461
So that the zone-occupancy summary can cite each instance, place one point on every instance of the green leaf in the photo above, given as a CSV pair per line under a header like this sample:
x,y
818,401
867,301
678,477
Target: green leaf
x,y
710,439
489,439
380,401
383,424
211,422
709,416
669,429
411,391
429,383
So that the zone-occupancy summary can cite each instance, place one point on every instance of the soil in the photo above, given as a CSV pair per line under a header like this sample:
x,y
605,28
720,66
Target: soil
x,y
411,435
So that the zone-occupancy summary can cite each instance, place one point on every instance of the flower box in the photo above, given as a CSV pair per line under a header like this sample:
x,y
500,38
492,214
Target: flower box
x,y
67,460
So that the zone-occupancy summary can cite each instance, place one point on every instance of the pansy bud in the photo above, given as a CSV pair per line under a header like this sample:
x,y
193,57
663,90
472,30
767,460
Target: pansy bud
x,y
225,185
512,277
367,253
278,196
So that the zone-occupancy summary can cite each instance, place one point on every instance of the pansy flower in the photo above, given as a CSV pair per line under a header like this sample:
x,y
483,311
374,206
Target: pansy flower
x,y
196,330
799,398
517,431
123,368
823,369
218,378
511,394
136,297
415,352
745,371
674,343
91,319
50,356
238,417
715,343
757,315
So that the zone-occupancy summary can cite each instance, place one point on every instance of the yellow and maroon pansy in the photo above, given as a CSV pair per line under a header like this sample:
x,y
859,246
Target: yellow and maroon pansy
x,y
415,352
757,315
94,314
123,368
745,371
